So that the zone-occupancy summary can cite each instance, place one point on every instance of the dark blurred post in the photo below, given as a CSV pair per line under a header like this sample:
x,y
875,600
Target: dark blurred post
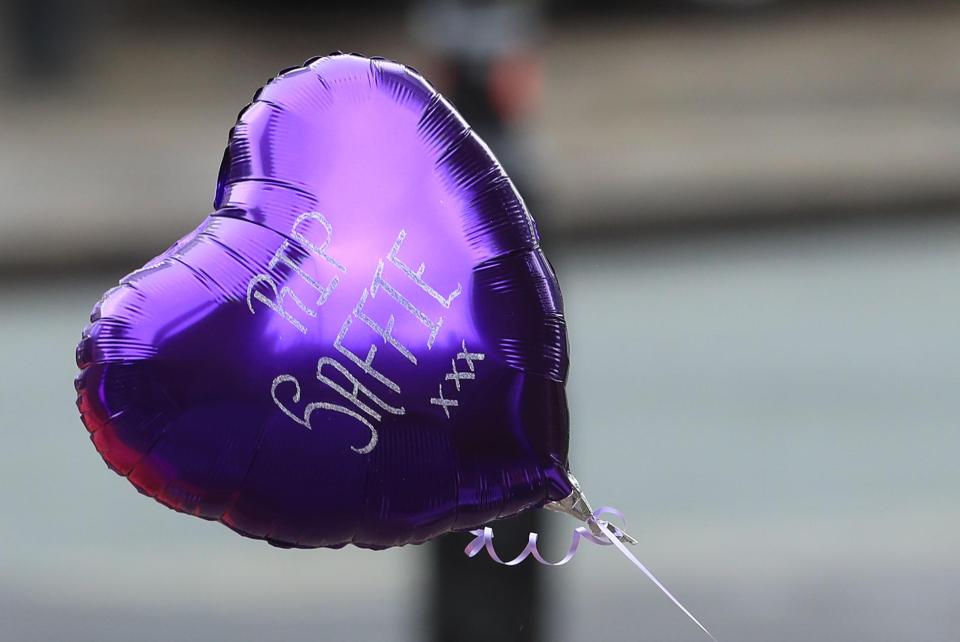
x,y
46,37
489,70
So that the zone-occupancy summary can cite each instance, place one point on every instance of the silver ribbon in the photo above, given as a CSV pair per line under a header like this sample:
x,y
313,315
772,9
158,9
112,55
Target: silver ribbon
x,y
610,534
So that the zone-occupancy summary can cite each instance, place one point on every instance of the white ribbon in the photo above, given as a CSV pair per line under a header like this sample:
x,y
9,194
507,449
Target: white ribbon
x,y
483,540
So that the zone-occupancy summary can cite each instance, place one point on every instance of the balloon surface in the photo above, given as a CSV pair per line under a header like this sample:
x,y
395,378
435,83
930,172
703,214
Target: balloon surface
x,y
363,343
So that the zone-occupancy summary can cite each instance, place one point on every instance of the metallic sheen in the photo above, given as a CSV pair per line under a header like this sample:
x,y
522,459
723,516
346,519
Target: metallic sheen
x,y
363,343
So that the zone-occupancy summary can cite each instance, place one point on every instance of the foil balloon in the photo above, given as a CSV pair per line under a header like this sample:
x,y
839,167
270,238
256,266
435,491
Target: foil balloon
x,y
363,343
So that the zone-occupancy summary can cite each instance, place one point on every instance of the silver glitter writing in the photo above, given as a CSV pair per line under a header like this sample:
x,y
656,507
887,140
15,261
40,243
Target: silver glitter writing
x,y
468,356
281,255
456,376
385,332
354,395
277,306
367,364
418,275
320,405
446,404
379,281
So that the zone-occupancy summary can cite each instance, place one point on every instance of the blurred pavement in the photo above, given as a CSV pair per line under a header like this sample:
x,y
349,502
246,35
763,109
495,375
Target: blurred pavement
x,y
775,412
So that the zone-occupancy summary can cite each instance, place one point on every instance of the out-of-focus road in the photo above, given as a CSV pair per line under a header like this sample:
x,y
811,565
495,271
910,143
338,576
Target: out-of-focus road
x,y
775,413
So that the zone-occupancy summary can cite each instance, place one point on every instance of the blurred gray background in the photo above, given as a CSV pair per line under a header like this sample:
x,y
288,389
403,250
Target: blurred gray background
x,y
754,212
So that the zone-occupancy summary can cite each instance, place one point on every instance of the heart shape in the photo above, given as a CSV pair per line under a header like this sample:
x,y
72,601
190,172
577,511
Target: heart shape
x,y
362,344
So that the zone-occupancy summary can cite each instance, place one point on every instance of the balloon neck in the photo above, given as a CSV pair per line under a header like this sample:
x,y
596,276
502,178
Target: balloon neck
x,y
576,505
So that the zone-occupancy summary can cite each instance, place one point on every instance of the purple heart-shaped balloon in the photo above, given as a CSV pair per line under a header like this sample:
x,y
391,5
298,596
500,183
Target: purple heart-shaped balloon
x,y
362,344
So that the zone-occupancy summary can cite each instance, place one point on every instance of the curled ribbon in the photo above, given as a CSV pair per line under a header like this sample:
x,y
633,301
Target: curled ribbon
x,y
483,539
